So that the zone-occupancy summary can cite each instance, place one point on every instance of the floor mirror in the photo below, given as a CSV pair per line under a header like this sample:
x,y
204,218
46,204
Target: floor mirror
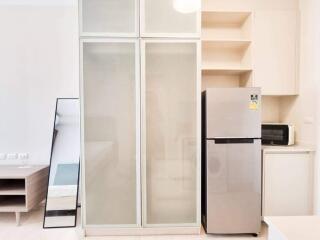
x,y
63,184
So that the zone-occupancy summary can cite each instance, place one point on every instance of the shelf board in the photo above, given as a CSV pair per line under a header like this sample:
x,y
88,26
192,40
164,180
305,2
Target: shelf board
x,y
12,190
225,17
225,70
216,39
226,43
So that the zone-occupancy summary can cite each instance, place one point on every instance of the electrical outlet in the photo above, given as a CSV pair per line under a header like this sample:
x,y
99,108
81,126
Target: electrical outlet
x,y
23,156
12,156
3,156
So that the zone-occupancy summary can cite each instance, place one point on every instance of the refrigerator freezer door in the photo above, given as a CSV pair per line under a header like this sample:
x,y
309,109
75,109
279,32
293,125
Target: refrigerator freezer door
x,y
233,113
233,187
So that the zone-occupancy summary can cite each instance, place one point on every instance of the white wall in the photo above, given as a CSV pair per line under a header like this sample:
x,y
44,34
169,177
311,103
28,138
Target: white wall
x,y
301,110
39,62
317,99
250,4
304,110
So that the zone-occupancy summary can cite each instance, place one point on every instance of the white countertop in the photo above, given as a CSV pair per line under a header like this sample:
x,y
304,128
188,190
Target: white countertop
x,y
287,149
294,227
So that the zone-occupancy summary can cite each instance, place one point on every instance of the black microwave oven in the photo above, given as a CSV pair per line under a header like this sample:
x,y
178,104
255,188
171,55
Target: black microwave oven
x,y
277,134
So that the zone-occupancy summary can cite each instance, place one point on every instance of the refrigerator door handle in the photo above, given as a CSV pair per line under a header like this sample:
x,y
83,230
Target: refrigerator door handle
x,y
234,140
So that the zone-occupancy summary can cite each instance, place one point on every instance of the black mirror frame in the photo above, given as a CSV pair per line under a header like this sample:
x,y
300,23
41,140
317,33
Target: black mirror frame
x,y
52,143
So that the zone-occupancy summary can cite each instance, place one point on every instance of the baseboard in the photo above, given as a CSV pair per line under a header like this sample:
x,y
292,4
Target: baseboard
x,y
107,231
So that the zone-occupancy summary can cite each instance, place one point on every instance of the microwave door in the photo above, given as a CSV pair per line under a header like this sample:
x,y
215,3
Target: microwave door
x,y
274,134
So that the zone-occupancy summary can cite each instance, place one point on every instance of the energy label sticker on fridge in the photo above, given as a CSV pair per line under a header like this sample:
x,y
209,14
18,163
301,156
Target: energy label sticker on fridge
x,y
254,102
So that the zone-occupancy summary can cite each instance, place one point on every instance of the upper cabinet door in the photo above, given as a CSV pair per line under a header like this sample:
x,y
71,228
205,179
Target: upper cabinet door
x,y
276,52
170,18
109,18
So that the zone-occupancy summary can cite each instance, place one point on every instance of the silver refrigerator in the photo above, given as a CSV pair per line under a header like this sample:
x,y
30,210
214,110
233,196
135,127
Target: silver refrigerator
x,y
231,160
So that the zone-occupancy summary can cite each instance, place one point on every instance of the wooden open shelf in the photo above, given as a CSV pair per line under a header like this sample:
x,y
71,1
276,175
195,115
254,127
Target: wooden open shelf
x,y
226,49
16,202
236,18
212,79
230,25
12,187
226,56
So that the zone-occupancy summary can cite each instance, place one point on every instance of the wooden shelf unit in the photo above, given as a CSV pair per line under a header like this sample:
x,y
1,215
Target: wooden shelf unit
x,y
22,188
226,49
213,79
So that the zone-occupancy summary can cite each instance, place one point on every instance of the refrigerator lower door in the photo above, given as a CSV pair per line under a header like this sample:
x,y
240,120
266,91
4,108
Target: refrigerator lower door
x,y
233,186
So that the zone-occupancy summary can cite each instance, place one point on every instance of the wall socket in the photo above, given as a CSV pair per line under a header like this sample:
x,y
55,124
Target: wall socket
x,y
23,156
12,156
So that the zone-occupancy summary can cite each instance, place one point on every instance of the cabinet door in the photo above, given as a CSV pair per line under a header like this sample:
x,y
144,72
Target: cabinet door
x,y
288,184
170,132
275,52
110,134
170,18
109,17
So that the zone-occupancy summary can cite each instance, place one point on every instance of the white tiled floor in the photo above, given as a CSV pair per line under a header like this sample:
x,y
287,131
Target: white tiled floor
x,y
31,229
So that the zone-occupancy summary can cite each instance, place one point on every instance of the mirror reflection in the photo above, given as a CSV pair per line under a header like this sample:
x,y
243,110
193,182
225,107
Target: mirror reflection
x,y
61,204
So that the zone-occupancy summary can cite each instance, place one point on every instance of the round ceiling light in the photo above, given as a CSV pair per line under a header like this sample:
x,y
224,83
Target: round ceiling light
x,y
186,6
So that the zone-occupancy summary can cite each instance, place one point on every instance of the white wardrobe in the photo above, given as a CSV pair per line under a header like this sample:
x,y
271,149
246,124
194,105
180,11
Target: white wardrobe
x,y
140,96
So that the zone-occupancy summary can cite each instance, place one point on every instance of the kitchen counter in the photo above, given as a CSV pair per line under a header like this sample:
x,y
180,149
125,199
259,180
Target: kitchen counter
x,y
287,149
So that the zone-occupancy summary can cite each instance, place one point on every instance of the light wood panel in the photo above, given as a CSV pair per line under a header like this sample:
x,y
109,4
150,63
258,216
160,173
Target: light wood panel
x,y
22,188
226,49
275,54
228,24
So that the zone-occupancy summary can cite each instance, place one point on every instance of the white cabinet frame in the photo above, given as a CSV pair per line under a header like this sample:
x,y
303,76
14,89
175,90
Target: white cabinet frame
x,y
143,33
109,34
138,131
143,133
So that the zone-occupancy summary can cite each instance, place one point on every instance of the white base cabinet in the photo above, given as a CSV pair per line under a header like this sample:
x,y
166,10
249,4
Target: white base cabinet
x,y
288,183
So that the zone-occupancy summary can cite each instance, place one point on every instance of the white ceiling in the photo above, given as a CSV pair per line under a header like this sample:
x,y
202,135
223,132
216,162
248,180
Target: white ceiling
x,y
39,2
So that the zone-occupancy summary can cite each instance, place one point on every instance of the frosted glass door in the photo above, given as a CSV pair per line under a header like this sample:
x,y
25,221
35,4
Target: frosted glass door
x,y
109,17
170,18
111,148
170,132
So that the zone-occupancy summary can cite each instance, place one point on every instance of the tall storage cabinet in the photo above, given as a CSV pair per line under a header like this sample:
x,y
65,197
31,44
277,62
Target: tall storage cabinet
x,y
140,118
